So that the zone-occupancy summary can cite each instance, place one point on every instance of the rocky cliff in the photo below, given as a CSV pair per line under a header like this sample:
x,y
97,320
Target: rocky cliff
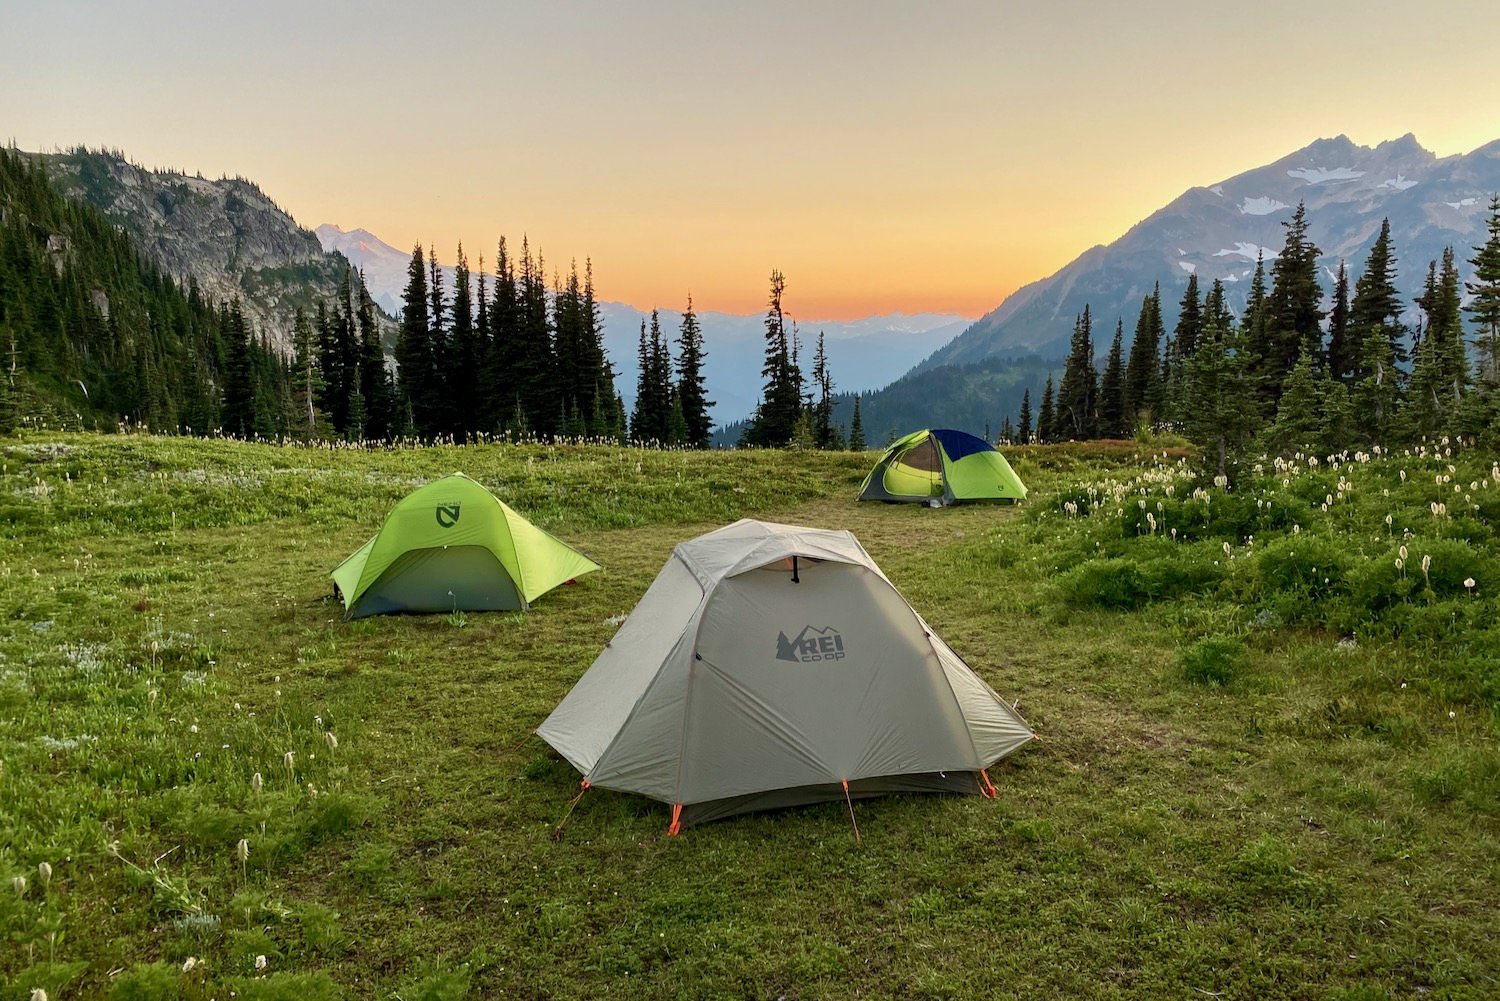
x,y
225,235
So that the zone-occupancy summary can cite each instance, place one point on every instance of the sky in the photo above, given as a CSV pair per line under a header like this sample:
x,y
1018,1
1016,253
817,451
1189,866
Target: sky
x,y
885,156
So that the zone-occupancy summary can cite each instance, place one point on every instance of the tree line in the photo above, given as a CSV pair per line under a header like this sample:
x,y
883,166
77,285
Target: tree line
x,y
1288,375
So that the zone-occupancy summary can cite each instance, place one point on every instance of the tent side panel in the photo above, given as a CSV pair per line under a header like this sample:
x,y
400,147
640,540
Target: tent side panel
x,y
466,578
984,476
544,560
993,725
595,712
812,682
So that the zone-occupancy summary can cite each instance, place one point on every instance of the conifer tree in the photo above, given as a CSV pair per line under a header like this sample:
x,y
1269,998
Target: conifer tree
x,y
1023,425
414,356
1484,303
775,419
652,419
501,391
378,403
462,383
1294,312
1046,418
1006,431
822,419
856,430
1341,360
1299,420
1219,397
1376,308
540,403
1254,333
697,427
1189,320
1112,412
239,376
1077,393
307,380
1143,368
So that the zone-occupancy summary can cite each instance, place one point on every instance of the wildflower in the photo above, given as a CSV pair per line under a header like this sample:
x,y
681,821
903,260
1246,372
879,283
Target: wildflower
x,y
242,851
1469,583
1226,549
44,873
1402,552
256,783
260,962
1296,529
37,994
189,963
289,760
1387,521
18,883
1400,564
1426,564
332,741
1452,714
312,791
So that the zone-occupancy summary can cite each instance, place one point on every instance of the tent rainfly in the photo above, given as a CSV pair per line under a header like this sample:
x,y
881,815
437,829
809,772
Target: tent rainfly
x,y
941,467
452,546
769,666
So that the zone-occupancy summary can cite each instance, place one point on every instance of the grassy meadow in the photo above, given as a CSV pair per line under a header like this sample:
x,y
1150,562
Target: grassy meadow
x,y
1268,764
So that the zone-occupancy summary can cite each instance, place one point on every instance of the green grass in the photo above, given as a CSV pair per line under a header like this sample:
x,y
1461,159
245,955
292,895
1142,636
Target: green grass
x,y
1255,778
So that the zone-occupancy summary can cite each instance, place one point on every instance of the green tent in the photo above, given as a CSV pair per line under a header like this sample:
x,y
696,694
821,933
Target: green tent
x,y
940,467
451,546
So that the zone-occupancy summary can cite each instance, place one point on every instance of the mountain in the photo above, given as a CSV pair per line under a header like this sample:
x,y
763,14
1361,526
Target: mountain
x,y
225,235
862,353
1216,232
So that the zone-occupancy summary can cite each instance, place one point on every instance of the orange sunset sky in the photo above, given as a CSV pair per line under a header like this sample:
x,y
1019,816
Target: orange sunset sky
x,y
886,156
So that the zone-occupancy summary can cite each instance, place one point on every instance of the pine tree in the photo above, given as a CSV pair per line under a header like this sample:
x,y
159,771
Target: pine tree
x,y
1189,320
1484,304
462,382
652,419
239,376
1046,417
379,397
1023,425
1376,308
1143,369
414,357
1294,311
307,382
1341,360
1254,333
1219,397
1077,393
775,419
822,420
1298,422
856,430
1448,319
1112,389
1007,432
534,374
697,427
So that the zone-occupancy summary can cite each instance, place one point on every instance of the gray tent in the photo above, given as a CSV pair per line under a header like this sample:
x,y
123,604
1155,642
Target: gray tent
x,y
770,665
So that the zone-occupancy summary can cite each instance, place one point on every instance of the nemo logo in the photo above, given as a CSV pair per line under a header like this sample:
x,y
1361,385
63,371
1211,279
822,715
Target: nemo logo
x,y
447,515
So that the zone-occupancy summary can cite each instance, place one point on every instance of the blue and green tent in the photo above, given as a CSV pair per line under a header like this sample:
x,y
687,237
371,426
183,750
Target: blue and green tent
x,y
940,466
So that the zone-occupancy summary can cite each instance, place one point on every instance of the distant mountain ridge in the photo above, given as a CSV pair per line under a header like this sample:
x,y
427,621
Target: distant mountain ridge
x,y
1217,230
863,354
227,235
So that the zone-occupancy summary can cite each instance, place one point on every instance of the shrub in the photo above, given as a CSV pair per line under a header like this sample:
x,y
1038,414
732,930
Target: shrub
x,y
1111,583
1216,661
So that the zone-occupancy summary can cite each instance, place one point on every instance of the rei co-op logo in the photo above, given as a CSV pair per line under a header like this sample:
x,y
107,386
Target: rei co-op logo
x,y
811,645
447,515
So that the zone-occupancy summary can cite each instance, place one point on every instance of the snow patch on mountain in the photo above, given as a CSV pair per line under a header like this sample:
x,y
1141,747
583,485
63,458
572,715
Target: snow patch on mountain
x,y
1218,189
1399,182
1322,175
1462,203
1261,206
1249,251
1187,266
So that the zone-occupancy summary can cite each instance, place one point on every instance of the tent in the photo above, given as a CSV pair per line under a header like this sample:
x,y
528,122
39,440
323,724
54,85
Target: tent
x,y
768,666
450,546
941,467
